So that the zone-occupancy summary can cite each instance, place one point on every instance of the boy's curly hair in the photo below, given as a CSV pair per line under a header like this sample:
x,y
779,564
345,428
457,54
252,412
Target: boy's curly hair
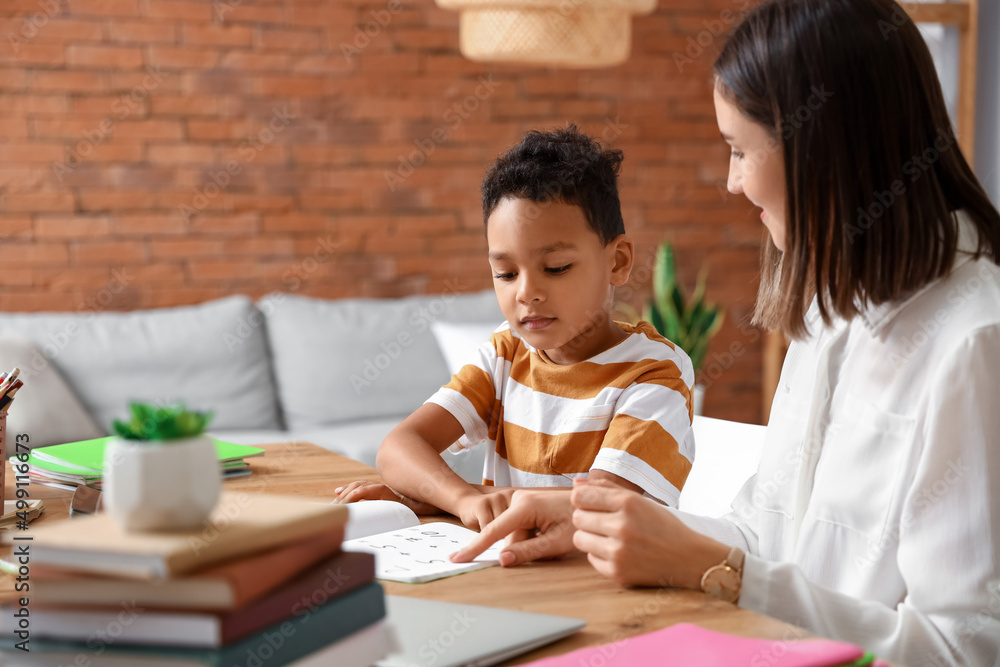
x,y
561,165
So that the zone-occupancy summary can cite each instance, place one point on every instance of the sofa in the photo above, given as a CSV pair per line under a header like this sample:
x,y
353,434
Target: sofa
x,y
337,373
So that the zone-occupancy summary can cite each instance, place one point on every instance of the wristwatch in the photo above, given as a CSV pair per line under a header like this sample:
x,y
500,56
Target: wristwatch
x,y
725,579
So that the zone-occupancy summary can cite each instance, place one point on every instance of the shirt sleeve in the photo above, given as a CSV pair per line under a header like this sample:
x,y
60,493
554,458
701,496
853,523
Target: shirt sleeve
x,y
472,395
948,550
650,441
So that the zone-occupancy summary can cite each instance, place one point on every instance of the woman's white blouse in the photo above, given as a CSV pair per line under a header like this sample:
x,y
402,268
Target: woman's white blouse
x,y
874,516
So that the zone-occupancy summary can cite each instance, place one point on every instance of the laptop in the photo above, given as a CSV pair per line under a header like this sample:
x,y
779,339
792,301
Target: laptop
x,y
448,634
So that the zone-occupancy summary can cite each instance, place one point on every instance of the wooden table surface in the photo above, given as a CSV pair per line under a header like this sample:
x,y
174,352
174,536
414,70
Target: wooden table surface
x,y
566,587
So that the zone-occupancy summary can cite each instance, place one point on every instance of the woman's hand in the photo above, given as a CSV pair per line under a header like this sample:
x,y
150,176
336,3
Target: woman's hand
x,y
477,509
634,541
538,523
367,489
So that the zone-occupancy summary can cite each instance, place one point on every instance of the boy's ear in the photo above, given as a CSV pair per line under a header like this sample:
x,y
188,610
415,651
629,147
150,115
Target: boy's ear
x,y
621,253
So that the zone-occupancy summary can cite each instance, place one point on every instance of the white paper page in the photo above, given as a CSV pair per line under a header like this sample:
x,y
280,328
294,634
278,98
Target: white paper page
x,y
371,517
420,553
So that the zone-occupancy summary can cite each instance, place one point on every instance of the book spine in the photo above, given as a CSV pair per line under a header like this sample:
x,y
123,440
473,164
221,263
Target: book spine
x,y
308,630
331,580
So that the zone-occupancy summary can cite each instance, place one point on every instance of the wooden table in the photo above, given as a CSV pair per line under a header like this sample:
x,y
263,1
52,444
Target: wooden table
x,y
567,587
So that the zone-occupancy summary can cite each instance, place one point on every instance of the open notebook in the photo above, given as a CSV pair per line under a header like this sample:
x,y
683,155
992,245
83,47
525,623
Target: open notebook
x,y
406,550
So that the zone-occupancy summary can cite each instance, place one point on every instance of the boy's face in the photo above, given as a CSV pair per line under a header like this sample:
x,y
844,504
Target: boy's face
x,y
553,277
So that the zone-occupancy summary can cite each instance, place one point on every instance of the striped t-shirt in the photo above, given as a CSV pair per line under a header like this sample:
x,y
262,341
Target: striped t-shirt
x,y
627,410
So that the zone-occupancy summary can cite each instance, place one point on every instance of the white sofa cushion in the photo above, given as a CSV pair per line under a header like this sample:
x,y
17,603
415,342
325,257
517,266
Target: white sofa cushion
x,y
392,363
211,356
45,408
459,341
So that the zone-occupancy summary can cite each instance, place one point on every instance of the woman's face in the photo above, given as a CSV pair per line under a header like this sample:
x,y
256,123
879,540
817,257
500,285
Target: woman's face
x,y
756,165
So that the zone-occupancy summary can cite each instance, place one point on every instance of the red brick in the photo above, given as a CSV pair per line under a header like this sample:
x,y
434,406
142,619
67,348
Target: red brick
x,y
109,252
36,201
262,246
104,7
70,227
92,199
146,274
185,105
39,54
263,202
181,154
110,151
215,223
282,39
142,84
35,302
73,128
142,32
58,30
420,39
15,228
325,14
174,58
291,86
245,13
254,61
87,55
227,270
13,79
11,153
217,35
149,129
33,104
34,254
14,128
326,200
169,249
293,223
186,10
322,64
81,82
149,225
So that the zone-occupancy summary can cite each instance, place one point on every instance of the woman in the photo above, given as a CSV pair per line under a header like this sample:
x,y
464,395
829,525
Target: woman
x,y
874,516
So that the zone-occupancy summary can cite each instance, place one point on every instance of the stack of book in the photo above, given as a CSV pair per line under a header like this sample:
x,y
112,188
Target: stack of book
x,y
80,463
263,583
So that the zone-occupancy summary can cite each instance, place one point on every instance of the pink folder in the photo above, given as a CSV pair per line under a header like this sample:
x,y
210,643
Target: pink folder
x,y
689,645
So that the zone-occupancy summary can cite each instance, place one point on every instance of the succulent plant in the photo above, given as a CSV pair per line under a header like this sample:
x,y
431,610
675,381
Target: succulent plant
x,y
688,323
172,422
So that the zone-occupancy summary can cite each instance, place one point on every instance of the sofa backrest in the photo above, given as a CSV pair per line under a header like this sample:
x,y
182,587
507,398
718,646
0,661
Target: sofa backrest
x,y
211,356
351,359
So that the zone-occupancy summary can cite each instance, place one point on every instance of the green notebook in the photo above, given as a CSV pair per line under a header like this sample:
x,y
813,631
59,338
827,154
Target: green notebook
x,y
87,456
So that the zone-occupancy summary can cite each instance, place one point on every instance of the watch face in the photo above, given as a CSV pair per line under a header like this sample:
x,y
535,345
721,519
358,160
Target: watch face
x,y
722,582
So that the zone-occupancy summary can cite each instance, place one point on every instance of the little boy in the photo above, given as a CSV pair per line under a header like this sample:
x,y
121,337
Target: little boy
x,y
561,390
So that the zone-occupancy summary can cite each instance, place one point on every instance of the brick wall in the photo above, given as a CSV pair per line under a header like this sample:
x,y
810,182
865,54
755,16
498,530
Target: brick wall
x,y
165,152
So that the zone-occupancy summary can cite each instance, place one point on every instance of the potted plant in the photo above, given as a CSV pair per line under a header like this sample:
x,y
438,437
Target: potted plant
x,y
162,471
686,322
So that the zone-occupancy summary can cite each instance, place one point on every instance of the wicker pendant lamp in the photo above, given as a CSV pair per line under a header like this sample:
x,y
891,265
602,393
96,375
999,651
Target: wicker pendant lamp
x,y
567,33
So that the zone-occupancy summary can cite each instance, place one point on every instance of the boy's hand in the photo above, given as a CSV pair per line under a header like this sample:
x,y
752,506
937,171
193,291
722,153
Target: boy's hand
x,y
477,509
370,490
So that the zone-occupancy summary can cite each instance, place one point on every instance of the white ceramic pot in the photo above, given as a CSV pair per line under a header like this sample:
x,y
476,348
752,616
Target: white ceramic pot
x,y
152,486
699,398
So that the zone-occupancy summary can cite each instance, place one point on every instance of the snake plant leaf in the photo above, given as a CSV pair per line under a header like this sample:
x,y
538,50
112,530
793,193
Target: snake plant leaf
x,y
689,323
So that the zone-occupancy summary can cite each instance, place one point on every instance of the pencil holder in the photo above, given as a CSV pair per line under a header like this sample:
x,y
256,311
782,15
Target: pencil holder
x,y
3,454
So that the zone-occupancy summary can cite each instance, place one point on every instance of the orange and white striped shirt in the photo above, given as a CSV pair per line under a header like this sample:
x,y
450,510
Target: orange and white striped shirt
x,y
627,411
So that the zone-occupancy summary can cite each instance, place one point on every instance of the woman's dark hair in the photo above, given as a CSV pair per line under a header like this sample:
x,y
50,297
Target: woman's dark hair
x,y
873,172
562,165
